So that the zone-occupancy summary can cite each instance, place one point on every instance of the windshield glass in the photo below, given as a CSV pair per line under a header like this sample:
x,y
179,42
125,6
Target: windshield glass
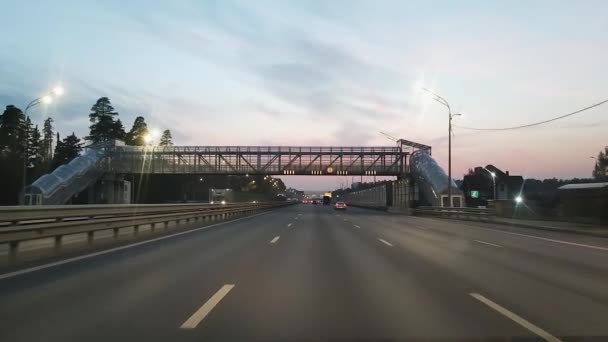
x,y
356,170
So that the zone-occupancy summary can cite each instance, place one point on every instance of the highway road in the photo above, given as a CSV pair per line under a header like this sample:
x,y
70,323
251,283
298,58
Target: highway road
x,y
307,272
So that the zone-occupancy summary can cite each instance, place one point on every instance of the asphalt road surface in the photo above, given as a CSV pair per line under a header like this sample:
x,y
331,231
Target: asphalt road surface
x,y
307,272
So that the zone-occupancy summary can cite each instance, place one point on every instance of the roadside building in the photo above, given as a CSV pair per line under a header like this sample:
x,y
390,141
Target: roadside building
x,y
489,183
584,200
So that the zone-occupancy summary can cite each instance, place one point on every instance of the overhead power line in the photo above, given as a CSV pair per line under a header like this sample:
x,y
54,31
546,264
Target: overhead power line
x,y
536,123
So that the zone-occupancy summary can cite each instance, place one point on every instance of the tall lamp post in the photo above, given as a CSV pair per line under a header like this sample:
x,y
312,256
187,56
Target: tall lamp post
x,y
493,181
450,117
46,99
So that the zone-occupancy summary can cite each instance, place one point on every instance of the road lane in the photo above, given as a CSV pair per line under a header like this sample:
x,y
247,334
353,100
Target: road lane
x,y
141,293
562,287
327,279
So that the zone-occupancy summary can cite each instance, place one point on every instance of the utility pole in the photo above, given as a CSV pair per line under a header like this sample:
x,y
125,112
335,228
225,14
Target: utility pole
x,y
450,117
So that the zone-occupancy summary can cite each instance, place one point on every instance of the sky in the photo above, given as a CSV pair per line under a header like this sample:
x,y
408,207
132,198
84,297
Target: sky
x,y
325,73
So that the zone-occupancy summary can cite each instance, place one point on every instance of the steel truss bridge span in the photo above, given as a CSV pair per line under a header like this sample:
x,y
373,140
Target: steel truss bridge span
x,y
266,160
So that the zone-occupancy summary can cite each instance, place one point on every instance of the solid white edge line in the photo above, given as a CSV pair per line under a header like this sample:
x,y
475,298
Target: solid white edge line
x,y
276,238
546,239
204,310
515,318
111,250
487,243
385,242
357,226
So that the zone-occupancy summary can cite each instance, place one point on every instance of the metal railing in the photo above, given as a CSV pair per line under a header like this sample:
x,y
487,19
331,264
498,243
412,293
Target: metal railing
x,y
458,213
19,224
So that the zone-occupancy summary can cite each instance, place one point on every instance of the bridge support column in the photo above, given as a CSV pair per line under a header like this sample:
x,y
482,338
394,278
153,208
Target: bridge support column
x,y
113,190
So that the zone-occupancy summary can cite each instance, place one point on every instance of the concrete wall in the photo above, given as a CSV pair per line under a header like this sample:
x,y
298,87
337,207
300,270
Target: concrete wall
x,y
395,195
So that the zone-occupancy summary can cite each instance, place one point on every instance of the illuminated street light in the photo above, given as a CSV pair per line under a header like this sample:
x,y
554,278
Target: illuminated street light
x,y
46,99
518,199
151,136
450,117
493,181
58,91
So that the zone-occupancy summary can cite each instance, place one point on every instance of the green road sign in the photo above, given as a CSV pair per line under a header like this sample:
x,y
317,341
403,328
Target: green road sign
x,y
474,194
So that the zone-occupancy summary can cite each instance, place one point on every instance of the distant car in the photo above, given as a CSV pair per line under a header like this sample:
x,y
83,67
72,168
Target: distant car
x,y
315,202
340,206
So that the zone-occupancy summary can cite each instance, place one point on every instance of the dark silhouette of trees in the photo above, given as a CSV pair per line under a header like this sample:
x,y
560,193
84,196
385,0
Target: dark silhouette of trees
x,y
12,131
137,134
46,145
35,164
66,150
12,145
166,139
600,170
104,127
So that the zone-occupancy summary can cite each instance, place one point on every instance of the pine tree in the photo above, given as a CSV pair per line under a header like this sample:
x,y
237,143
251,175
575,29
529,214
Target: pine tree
x,y
600,170
118,130
136,136
12,143
12,131
66,150
166,139
33,146
46,146
104,128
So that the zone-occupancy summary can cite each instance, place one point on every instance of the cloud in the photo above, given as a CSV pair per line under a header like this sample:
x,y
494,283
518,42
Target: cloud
x,y
352,133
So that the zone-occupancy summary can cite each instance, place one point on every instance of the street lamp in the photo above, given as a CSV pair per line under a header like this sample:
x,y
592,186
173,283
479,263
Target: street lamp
x,y
450,116
46,99
493,181
151,136
58,91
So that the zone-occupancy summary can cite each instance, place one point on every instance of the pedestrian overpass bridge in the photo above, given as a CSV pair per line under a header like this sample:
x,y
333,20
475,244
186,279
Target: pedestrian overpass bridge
x,y
266,160
84,171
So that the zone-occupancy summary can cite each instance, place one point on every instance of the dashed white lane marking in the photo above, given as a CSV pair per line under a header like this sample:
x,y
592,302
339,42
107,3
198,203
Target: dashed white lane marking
x,y
111,250
204,310
276,238
547,239
345,219
515,318
357,226
487,243
385,242
288,225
